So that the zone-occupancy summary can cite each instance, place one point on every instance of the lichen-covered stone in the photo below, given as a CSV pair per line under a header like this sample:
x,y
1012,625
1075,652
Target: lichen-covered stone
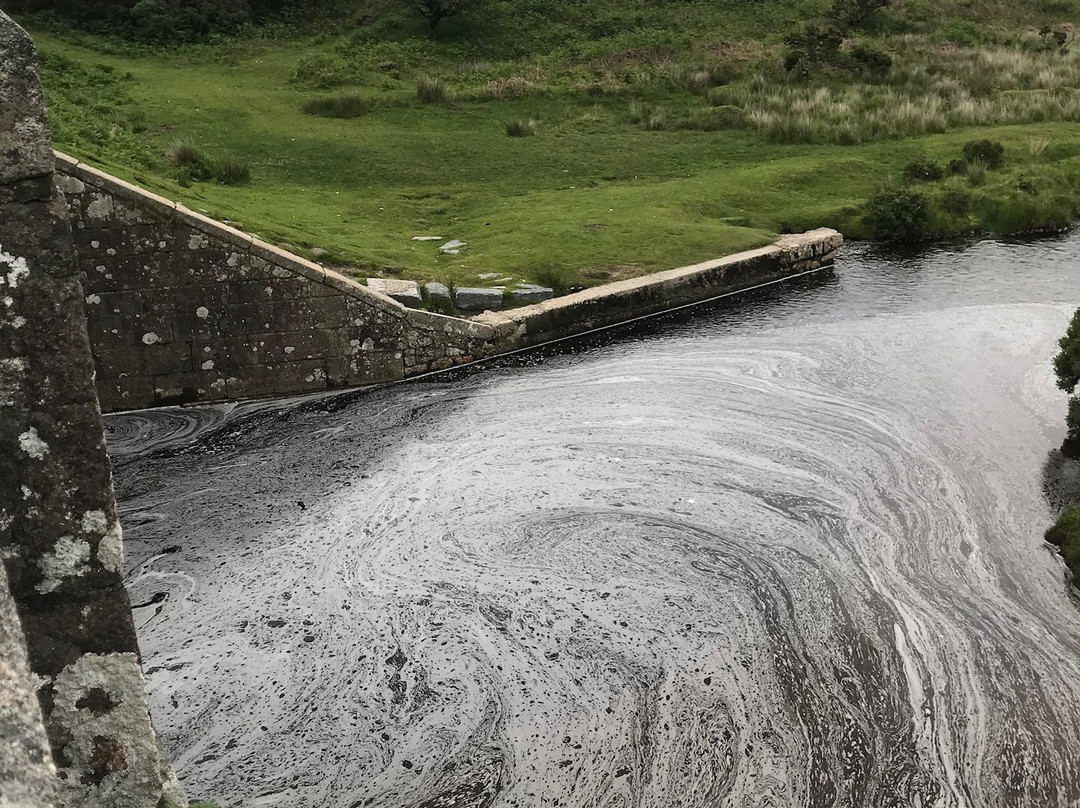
x,y
59,534
27,774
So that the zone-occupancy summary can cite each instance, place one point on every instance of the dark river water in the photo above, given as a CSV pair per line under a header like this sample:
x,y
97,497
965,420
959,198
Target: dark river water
x,y
782,550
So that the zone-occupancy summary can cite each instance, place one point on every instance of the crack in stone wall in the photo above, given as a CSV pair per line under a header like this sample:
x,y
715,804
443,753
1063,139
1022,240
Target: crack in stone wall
x,y
60,538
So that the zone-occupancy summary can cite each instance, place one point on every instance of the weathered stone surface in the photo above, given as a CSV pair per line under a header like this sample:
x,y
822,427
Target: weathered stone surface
x,y
27,774
469,298
438,293
59,534
404,292
529,293
25,148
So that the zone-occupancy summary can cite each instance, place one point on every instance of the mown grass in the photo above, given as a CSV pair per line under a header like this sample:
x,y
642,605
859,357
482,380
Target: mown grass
x,y
667,138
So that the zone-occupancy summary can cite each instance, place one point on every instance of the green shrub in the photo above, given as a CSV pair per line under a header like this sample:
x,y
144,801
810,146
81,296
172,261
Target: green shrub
x,y
318,71
1065,535
433,91
870,62
521,127
352,105
898,215
988,152
956,202
957,167
1067,360
922,170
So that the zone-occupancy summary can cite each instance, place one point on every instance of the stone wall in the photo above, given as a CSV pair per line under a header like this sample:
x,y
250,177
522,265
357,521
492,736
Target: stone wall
x,y
620,302
60,540
182,308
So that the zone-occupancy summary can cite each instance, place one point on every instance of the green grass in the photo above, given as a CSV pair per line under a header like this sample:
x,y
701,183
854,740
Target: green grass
x,y
667,138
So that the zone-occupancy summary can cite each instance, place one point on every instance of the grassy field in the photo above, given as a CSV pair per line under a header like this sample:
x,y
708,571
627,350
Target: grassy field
x,y
660,135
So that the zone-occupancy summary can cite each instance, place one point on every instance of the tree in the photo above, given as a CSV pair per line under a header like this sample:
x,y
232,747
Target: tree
x,y
1067,370
438,10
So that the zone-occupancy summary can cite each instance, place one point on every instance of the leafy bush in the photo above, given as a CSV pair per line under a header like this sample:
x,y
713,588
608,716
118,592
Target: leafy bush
x,y
988,152
521,127
922,170
318,71
870,62
433,91
337,106
1067,360
1065,535
958,166
956,202
898,215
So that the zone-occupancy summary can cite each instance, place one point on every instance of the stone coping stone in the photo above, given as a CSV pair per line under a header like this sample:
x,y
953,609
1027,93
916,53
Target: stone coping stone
x,y
529,293
405,292
471,298
438,292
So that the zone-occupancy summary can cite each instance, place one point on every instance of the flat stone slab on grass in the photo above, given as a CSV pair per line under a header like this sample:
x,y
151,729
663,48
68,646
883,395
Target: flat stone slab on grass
x,y
406,292
470,298
529,293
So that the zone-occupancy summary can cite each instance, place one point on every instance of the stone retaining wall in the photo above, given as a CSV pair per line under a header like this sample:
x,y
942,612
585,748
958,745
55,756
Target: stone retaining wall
x,y
626,300
182,308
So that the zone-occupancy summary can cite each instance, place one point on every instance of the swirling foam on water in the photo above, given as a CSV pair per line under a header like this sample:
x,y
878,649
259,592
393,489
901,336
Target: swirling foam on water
x,y
749,561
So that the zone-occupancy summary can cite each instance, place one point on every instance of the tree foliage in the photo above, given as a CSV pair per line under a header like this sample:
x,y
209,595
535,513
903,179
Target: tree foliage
x,y
1067,362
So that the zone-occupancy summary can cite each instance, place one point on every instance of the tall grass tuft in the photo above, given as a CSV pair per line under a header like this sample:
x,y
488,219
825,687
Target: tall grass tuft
x,y
433,91
555,276
521,127
230,170
184,153
351,105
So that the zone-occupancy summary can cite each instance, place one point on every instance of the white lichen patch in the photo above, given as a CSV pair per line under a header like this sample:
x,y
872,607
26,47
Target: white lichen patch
x,y
26,491
100,208
9,301
95,522
149,338
68,559
208,364
19,268
93,299
99,704
202,312
198,241
234,259
111,549
18,322
31,443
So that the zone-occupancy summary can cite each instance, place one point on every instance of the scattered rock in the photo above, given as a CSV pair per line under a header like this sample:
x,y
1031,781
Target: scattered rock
x,y
473,299
452,247
406,292
487,276
427,238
